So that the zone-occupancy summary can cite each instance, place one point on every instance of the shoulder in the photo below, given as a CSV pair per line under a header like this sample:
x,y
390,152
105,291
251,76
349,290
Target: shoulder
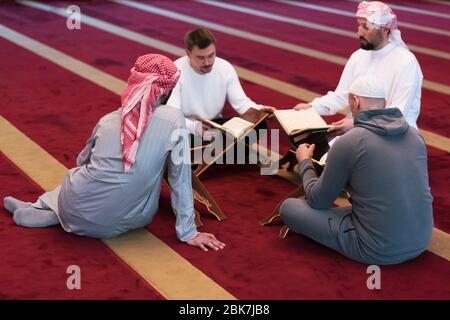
x,y
224,70
357,54
110,120
403,57
350,138
181,62
355,58
348,147
223,65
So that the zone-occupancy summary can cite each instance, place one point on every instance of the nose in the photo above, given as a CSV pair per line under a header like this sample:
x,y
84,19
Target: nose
x,y
360,31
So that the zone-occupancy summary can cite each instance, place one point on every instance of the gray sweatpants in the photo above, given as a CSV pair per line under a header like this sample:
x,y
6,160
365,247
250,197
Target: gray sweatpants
x,y
332,227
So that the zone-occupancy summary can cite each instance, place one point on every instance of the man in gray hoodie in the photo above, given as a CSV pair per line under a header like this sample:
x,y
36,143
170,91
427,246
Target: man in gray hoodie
x,y
383,162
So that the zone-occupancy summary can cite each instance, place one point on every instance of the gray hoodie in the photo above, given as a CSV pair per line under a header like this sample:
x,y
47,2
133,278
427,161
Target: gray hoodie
x,y
384,163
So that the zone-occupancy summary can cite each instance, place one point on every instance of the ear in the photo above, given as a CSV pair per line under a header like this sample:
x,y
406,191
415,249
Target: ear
x,y
385,32
357,101
354,105
188,53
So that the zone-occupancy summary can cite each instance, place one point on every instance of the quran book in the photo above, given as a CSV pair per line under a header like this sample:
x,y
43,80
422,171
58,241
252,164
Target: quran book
x,y
300,122
322,160
305,126
235,126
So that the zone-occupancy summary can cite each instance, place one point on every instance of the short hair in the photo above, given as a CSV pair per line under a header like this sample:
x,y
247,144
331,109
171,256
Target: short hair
x,y
200,37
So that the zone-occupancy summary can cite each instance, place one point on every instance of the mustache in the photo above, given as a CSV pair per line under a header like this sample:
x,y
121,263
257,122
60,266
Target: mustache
x,y
363,39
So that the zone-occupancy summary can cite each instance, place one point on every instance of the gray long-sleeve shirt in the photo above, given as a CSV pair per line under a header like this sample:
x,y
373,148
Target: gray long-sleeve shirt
x,y
383,160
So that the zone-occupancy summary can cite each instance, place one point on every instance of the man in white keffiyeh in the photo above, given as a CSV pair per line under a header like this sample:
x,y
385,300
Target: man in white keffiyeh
x,y
116,185
383,54
377,15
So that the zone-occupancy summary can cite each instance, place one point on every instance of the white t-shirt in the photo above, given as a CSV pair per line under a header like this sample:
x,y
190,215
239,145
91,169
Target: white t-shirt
x,y
205,95
395,65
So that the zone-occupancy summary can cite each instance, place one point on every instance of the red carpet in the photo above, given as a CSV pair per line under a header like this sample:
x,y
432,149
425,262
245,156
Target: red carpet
x,y
44,101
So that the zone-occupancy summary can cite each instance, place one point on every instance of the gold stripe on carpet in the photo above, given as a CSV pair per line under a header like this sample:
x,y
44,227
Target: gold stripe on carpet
x,y
34,161
440,244
172,275
63,60
443,2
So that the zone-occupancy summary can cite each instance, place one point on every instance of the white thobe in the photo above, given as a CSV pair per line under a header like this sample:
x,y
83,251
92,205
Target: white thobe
x,y
98,199
395,66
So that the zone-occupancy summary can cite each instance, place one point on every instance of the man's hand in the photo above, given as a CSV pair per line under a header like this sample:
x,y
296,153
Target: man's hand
x,y
304,151
200,128
302,106
268,109
340,127
204,240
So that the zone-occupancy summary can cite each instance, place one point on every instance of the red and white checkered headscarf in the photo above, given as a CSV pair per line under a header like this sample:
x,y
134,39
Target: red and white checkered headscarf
x,y
152,76
379,14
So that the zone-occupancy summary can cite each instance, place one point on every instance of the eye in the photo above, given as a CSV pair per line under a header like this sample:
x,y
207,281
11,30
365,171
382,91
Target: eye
x,y
364,26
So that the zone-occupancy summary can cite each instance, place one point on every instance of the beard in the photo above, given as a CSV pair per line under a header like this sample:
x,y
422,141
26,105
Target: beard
x,y
366,45
377,39
206,69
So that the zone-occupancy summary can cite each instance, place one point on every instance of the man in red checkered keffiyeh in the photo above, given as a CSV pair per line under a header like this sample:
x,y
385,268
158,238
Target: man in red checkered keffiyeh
x,y
96,199
152,76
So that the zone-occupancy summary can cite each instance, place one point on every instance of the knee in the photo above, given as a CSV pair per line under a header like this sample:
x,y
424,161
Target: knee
x,y
291,209
286,207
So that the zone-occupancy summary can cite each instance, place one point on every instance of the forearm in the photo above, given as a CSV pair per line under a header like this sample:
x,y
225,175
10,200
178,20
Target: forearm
x,y
308,176
179,176
331,103
320,193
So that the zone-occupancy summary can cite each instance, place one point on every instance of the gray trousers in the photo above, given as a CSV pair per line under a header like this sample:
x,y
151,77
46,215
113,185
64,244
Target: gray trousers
x,y
332,228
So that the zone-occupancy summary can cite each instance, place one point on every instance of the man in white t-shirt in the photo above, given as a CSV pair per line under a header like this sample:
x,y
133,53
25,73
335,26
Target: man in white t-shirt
x,y
206,82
